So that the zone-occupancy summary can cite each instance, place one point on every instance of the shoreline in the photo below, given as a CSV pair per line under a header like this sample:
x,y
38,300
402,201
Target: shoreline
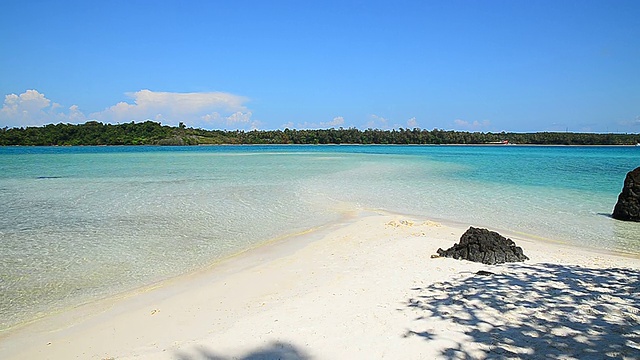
x,y
285,243
312,282
327,144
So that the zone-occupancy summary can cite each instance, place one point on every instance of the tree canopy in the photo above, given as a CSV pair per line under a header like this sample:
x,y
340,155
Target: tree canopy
x,y
152,133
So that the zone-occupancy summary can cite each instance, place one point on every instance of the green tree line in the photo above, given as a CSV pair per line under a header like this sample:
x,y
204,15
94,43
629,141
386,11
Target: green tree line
x,y
152,133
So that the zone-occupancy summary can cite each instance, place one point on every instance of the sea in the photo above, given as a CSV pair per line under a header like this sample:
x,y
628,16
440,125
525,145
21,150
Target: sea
x,y
79,224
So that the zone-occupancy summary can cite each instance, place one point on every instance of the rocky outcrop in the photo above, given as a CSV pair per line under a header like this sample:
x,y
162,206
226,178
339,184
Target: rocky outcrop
x,y
484,246
628,205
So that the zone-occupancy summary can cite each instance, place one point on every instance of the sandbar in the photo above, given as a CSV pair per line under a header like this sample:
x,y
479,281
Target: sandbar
x,y
365,288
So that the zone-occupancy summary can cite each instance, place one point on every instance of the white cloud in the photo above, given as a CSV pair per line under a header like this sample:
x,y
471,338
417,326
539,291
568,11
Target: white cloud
x,y
75,115
237,119
475,125
412,123
32,108
194,109
336,122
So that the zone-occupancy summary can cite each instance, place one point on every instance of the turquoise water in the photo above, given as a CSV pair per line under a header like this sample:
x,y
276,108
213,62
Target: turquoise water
x,y
80,223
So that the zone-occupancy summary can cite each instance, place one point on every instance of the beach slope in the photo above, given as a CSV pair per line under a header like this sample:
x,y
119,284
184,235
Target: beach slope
x,y
367,288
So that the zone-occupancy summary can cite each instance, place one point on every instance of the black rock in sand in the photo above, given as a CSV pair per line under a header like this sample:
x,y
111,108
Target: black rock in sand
x,y
628,205
484,246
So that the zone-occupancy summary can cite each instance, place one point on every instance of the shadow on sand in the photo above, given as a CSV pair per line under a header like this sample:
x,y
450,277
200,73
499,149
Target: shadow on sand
x,y
542,311
276,350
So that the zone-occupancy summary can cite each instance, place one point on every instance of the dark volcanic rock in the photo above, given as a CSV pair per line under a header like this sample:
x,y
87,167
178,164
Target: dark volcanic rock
x,y
487,247
484,273
628,205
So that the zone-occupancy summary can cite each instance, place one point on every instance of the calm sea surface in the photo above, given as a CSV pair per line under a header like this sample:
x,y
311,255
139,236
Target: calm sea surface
x,y
80,223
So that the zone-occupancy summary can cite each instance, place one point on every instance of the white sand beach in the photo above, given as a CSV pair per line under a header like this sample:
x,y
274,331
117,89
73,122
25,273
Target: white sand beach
x,y
364,289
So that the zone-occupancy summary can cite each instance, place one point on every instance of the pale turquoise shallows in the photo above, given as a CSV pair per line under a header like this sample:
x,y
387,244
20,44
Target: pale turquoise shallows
x,y
81,223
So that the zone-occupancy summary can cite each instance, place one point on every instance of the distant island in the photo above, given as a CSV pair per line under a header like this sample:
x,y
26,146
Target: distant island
x,y
153,133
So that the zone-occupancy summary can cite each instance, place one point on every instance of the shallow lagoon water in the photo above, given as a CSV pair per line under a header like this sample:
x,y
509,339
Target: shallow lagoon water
x,y
82,223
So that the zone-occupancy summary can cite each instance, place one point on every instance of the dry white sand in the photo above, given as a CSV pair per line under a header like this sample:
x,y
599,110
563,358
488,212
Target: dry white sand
x,y
366,289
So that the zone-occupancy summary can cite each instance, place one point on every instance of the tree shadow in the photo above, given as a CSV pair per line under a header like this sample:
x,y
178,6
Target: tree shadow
x,y
276,350
533,311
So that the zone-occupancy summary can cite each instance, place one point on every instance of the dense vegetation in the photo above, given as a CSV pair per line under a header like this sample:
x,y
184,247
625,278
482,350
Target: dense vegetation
x,y
152,133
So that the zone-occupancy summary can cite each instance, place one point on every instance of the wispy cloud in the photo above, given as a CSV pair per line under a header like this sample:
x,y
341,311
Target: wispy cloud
x,y
412,123
633,123
206,109
475,125
377,122
337,121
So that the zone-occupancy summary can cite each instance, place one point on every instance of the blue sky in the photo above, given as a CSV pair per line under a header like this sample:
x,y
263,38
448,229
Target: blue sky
x,y
487,65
